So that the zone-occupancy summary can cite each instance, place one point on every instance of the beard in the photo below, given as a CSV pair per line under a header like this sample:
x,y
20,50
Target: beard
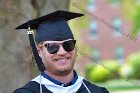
x,y
61,71
65,71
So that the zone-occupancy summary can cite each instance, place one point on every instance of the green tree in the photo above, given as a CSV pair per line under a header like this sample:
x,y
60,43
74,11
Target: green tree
x,y
131,68
131,9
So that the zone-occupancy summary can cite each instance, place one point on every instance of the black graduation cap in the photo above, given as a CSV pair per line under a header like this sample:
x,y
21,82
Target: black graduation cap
x,y
52,26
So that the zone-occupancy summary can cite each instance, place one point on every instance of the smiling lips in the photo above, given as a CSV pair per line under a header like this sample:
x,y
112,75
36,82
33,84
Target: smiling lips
x,y
62,61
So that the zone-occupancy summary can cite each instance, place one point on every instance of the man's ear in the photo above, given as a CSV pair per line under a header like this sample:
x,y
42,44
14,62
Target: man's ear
x,y
39,51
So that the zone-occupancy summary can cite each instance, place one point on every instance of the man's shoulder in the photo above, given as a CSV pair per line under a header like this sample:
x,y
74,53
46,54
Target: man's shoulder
x,y
92,87
30,87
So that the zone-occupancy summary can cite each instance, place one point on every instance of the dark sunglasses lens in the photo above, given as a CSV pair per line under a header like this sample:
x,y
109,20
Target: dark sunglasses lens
x,y
52,48
69,45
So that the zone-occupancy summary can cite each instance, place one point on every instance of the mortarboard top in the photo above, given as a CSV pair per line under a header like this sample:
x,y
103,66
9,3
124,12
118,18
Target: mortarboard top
x,y
52,26
59,13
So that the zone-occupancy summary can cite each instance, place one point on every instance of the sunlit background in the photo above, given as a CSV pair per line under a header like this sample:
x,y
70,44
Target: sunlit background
x,y
108,42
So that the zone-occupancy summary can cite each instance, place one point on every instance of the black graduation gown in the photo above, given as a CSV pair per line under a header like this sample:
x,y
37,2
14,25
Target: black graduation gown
x,y
33,87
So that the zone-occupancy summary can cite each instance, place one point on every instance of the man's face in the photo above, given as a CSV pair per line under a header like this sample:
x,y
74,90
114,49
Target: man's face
x,y
60,63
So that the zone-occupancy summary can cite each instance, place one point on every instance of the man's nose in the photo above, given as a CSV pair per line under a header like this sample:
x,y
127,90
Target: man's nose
x,y
61,50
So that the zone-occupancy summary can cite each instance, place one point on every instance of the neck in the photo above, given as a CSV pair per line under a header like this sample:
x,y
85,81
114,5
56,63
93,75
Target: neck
x,y
63,79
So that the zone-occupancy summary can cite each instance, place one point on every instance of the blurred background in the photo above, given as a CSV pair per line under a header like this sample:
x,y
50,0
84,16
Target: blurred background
x,y
108,42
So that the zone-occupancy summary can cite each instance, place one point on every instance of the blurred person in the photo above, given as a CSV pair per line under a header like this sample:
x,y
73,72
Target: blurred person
x,y
55,55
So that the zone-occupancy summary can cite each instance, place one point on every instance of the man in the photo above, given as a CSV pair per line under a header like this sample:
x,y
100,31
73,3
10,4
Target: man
x,y
55,56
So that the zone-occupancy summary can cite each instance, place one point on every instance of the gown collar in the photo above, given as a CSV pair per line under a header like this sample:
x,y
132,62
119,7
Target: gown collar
x,y
58,82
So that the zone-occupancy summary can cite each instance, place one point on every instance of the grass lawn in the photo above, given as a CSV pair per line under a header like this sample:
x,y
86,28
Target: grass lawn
x,y
121,84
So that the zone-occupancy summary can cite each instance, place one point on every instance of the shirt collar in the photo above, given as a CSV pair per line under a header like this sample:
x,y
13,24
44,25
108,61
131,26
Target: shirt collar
x,y
58,82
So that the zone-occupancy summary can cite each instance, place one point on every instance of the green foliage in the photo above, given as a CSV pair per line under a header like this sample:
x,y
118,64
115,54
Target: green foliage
x,y
103,71
132,66
126,71
112,64
132,13
88,70
99,74
79,6
134,61
136,22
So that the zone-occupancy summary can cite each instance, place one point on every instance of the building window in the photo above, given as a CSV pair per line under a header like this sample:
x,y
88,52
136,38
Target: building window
x,y
91,5
117,25
93,30
115,3
119,54
95,55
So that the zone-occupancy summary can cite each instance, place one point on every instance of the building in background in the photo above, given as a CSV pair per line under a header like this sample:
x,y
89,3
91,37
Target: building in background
x,y
108,34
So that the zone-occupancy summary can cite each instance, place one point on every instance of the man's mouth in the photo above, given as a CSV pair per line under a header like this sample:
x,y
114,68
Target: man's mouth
x,y
62,59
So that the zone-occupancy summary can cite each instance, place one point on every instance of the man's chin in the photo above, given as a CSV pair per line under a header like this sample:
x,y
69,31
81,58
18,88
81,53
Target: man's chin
x,y
63,72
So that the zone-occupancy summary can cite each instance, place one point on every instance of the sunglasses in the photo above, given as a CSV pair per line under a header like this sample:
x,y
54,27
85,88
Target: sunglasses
x,y
54,47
